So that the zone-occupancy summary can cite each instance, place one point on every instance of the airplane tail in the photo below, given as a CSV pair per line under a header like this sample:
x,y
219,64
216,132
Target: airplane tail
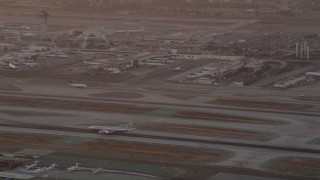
x,y
129,125
77,165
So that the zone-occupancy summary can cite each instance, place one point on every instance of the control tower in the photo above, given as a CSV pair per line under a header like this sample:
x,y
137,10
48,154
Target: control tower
x,y
44,23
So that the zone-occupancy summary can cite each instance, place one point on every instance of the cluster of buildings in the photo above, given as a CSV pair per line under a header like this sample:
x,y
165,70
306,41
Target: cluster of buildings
x,y
269,44
225,72
299,80
118,50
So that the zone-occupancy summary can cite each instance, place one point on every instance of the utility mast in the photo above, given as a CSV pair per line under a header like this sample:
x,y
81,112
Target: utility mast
x,y
44,23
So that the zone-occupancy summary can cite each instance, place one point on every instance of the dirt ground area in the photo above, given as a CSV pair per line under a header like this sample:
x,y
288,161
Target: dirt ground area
x,y
178,96
189,171
7,139
120,154
119,95
51,75
29,113
73,105
151,151
314,141
262,104
9,164
297,165
208,131
223,118
8,87
117,149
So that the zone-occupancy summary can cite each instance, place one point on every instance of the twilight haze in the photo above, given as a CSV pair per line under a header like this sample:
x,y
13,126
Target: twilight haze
x,y
160,89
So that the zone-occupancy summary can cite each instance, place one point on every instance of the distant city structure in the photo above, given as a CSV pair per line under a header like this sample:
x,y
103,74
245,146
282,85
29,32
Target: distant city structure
x,y
303,51
92,35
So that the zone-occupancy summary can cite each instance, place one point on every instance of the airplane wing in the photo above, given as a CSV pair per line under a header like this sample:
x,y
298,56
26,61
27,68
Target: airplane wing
x,y
110,130
106,131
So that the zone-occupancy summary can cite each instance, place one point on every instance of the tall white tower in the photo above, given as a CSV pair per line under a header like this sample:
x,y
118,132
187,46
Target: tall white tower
x,y
44,23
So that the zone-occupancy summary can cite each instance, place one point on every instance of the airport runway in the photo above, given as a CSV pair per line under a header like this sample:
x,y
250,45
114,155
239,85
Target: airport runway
x,y
158,104
302,120
64,131
245,150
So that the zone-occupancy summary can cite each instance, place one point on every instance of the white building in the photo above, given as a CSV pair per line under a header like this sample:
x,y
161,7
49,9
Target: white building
x,y
317,74
289,83
205,56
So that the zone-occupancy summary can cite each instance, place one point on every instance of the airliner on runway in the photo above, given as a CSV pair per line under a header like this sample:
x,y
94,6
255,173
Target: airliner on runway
x,y
113,129
78,85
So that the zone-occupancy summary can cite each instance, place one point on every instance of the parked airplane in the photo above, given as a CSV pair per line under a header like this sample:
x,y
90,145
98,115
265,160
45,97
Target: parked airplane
x,y
11,66
97,171
73,168
91,63
178,69
130,31
41,170
78,85
114,70
52,166
32,165
112,129
24,28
